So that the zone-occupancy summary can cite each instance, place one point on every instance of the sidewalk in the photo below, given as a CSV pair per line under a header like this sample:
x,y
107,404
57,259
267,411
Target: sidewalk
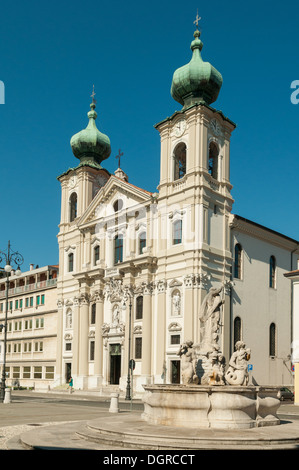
x,y
91,427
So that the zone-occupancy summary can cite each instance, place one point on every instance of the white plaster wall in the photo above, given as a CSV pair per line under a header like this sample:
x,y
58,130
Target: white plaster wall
x,y
258,306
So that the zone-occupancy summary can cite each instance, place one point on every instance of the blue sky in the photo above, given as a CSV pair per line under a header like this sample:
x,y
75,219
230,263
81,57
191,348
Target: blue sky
x,y
51,54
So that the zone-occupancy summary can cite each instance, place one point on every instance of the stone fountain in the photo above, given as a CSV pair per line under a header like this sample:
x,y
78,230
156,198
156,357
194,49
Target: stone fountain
x,y
210,396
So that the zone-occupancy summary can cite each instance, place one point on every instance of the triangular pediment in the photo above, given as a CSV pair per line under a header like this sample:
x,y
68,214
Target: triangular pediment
x,y
115,189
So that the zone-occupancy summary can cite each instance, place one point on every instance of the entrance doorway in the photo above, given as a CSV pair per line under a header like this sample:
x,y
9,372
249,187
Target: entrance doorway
x,y
68,371
175,371
115,363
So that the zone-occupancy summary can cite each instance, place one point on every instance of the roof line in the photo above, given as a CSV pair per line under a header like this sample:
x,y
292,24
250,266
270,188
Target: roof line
x,y
266,228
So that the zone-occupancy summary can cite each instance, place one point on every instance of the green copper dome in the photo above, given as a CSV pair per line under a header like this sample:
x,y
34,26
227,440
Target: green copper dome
x,y
198,81
90,145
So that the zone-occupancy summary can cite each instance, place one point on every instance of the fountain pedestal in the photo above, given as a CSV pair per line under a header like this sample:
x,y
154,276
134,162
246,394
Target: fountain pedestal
x,y
216,407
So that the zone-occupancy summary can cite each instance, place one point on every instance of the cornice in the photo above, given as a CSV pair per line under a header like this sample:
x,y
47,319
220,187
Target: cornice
x,y
263,233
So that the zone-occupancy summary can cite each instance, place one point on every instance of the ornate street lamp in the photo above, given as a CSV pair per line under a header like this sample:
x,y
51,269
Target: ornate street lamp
x,y
12,259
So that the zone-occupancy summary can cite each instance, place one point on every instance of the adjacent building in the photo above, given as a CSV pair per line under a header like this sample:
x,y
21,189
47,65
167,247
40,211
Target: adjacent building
x,y
31,327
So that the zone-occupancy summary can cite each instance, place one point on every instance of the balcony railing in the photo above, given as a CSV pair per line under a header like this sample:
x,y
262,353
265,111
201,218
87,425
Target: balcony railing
x,y
29,287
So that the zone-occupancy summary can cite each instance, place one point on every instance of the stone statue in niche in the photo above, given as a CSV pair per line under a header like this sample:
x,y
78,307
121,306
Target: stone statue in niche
x,y
188,363
209,317
237,372
115,315
176,303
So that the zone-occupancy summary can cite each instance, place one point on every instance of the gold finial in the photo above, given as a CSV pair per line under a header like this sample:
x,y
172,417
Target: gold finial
x,y
93,95
197,19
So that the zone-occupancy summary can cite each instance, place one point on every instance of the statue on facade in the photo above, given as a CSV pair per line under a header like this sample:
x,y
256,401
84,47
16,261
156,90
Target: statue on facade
x,y
209,317
237,372
188,363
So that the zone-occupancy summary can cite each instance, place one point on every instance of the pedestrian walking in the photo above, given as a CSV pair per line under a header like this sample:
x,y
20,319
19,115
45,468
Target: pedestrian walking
x,y
71,383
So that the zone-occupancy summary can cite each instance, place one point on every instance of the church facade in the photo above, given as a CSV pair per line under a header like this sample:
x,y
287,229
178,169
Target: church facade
x,y
135,267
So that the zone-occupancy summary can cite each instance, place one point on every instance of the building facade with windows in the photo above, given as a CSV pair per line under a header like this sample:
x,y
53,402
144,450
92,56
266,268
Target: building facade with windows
x,y
135,266
31,327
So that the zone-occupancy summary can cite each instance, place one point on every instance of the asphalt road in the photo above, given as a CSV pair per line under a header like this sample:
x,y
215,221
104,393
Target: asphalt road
x,y
31,408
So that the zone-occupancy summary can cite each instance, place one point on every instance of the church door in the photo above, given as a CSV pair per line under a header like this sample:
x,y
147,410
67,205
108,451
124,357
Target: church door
x,y
115,363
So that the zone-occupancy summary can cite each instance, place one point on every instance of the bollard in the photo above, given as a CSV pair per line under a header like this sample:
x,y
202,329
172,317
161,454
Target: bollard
x,y
7,396
114,403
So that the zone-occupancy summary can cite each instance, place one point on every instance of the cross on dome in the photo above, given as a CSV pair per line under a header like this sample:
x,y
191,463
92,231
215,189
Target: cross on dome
x,y
197,20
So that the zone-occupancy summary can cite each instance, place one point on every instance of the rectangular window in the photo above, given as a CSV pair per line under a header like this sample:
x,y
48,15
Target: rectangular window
x,y
139,307
1,307
96,254
177,232
138,348
49,372
27,302
16,372
38,300
42,299
68,346
21,303
31,301
118,249
91,351
37,372
175,339
16,304
10,305
26,372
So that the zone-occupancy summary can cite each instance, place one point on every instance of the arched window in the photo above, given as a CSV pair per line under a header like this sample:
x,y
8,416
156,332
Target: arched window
x,y
272,340
142,242
213,160
177,232
96,254
118,205
118,249
71,262
180,153
93,314
69,318
238,261
73,206
272,272
139,307
237,329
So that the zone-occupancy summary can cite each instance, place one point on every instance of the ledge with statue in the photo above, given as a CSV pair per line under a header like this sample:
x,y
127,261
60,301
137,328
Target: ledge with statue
x,y
210,396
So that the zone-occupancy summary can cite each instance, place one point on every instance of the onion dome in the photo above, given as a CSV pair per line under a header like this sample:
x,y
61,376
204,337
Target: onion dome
x,y
90,145
197,82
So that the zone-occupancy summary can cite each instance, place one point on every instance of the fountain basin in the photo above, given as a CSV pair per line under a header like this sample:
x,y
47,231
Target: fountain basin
x,y
216,407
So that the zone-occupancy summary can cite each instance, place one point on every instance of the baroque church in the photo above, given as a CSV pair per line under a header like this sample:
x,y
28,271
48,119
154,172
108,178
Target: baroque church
x,y
135,267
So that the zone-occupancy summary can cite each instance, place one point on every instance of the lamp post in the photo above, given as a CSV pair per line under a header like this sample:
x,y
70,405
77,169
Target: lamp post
x,y
128,389
10,258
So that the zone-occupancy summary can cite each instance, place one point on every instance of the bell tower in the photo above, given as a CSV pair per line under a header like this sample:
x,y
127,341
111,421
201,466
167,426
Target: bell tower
x,y
195,179
80,184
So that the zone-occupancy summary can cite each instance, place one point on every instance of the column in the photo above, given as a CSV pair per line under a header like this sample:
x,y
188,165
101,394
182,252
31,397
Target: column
x,y
98,365
75,344
147,331
159,340
188,308
83,338
59,346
